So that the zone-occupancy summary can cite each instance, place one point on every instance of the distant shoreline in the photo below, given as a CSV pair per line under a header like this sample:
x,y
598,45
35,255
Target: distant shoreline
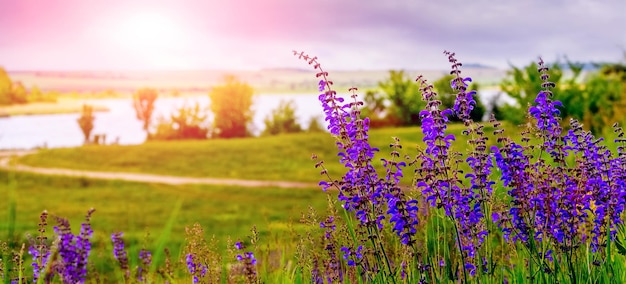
x,y
61,107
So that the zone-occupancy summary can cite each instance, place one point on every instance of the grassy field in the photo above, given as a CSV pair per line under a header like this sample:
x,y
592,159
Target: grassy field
x,y
284,157
136,208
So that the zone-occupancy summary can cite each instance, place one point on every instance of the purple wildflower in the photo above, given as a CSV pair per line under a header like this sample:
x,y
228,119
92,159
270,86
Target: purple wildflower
x,y
120,253
145,258
195,268
352,257
464,103
73,250
249,262
39,249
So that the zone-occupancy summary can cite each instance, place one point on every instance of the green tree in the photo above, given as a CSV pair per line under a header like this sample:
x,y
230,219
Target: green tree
x,y
523,85
5,87
603,100
282,119
11,92
403,93
85,121
231,104
315,125
597,101
447,96
375,109
19,94
143,102
188,122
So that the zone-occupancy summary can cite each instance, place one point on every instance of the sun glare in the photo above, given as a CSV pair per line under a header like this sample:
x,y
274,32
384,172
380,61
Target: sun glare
x,y
153,38
150,30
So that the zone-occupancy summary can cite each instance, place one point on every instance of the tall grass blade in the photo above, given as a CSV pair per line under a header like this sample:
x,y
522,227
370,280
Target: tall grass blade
x,y
165,236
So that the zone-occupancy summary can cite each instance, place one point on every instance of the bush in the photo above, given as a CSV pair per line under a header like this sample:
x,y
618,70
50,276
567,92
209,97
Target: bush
x,y
188,122
282,119
315,125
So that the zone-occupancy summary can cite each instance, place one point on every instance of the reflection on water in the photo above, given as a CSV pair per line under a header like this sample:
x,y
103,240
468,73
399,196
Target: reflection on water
x,y
121,124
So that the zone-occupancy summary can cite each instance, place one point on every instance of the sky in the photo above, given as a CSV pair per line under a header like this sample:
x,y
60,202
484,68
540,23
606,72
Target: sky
x,y
343,34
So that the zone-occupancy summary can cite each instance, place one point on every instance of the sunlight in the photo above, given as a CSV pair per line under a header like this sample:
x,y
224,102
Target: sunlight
x,y
149,30
153,37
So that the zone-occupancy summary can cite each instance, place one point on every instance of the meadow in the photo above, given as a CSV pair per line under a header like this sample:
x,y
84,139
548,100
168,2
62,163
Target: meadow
x,y
282,157
141,211
542,203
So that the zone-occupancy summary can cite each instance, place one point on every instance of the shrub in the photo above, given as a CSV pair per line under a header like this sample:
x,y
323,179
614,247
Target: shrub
x,y
282,119
187,122
315,125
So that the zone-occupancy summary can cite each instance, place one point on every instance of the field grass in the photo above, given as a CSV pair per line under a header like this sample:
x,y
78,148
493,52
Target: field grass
x,y
284,157
137,208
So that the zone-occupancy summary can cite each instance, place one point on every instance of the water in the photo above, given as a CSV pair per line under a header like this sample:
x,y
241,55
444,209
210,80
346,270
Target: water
x,y
120,124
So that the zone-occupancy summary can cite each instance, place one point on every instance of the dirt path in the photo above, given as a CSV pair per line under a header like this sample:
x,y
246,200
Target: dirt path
x,y
6,156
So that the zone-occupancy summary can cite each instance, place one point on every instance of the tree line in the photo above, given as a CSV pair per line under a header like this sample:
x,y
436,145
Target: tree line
x,y
229,115
595,98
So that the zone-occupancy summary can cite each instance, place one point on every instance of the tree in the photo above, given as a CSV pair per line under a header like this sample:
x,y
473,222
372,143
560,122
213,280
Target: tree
x,y
315,125
597,101
403,93
5,87
282,119
85,121
188,122
143,102
11,92
523,85
447,96
231,106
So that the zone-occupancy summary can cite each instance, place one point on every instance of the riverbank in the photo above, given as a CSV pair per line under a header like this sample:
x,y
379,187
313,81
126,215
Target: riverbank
x,y
62,106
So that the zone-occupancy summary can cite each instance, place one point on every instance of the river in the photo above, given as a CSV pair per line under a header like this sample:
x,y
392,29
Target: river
x,y
120,124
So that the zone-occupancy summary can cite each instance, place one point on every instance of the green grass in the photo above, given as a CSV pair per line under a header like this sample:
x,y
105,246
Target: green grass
x,y
284,157
137,208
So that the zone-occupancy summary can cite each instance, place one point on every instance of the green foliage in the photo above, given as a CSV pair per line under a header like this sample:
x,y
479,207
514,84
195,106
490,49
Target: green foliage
x,y
523,85
282,119
11,92
374,107
602,102
231,105
597,101
85,121
402,92
188,122
143,102
315,125
36,95
447,96
134,208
